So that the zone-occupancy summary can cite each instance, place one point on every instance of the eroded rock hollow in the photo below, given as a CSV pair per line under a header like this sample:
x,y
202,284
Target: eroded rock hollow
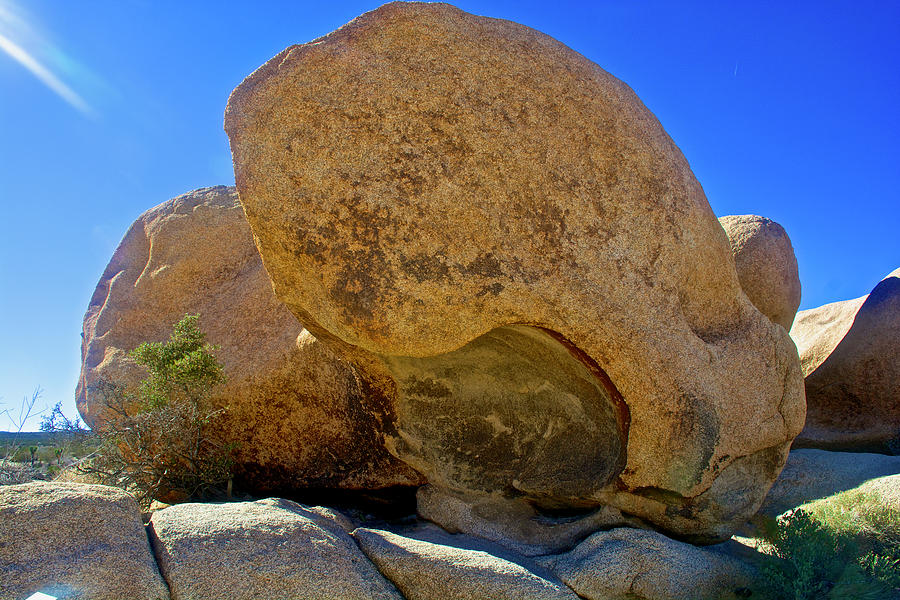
x,y
517,259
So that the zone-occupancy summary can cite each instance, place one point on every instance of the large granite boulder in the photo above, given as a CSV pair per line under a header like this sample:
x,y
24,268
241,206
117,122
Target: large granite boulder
x,y
850,356
74,541
518,260
297,412
766,265
266,549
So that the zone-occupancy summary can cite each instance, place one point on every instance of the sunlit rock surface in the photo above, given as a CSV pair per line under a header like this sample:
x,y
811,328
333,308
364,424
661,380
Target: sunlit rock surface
x,y
766,265
519,262
296,412
850,355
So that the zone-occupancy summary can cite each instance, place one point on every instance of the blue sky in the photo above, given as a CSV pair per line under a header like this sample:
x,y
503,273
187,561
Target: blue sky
x,y
789,110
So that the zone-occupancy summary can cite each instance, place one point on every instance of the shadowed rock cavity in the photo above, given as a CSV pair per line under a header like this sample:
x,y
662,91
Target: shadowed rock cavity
x,y
514,411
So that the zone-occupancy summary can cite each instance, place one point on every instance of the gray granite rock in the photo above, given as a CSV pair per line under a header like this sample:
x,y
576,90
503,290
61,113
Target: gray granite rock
x,y
266,549
74,541
431,564
812,474
623,564
514,524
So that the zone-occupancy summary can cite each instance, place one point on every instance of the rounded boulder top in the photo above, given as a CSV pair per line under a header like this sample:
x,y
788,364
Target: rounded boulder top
x,y
766,265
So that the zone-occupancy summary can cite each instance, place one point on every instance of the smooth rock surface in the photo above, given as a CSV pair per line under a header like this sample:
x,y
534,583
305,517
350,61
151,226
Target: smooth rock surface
x,y
623,564
766,265
265,549
296,412
431,191
74,541
850,356
813,474
439,568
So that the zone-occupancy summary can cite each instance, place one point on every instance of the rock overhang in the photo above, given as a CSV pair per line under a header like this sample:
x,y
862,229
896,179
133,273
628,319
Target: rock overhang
x,y
422,178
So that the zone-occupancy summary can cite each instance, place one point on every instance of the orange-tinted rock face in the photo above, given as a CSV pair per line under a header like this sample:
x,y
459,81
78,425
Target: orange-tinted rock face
x,y
296,411
448,201
766,265
850,355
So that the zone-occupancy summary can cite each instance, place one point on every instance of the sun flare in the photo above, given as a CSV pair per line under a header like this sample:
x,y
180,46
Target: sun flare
x,y
21,42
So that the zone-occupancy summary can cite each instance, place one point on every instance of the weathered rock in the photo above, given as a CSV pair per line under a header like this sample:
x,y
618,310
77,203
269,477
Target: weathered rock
x,y
296,411
766,265
813,474
850,356
513,523
624,563
440,567
76,541
520,263
266,549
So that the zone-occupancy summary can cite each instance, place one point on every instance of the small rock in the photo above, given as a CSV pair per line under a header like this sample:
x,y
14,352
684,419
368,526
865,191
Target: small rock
x,y
766,265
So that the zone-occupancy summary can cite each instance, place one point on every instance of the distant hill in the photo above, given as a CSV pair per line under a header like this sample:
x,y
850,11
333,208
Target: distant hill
x,y
29,438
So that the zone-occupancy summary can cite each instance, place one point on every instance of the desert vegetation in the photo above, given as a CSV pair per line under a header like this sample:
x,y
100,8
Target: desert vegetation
x,y
25,456
155,441
843,546
152,441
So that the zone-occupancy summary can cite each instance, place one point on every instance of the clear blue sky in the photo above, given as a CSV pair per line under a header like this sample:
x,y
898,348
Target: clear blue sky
x,y
789,110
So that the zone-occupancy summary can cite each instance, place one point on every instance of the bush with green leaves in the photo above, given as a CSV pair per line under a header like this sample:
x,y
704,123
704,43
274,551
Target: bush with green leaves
x,y
159,441
846,546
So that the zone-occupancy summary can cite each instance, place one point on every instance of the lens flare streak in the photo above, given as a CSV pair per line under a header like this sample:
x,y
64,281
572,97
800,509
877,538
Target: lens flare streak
x,y
15,31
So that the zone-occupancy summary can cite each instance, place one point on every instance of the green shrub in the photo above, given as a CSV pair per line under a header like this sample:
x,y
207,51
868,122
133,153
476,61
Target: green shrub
x,y
806,557
157,442
846,546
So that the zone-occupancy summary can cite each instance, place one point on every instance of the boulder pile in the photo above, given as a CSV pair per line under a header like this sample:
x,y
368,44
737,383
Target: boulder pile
x,y
86,542
463,259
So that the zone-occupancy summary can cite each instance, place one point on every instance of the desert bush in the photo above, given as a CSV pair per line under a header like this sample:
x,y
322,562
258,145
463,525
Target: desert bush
x,y
844,546
156,442
68,434
871,528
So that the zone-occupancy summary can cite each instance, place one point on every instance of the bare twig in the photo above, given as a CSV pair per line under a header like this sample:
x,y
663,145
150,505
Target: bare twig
x,y
10,473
